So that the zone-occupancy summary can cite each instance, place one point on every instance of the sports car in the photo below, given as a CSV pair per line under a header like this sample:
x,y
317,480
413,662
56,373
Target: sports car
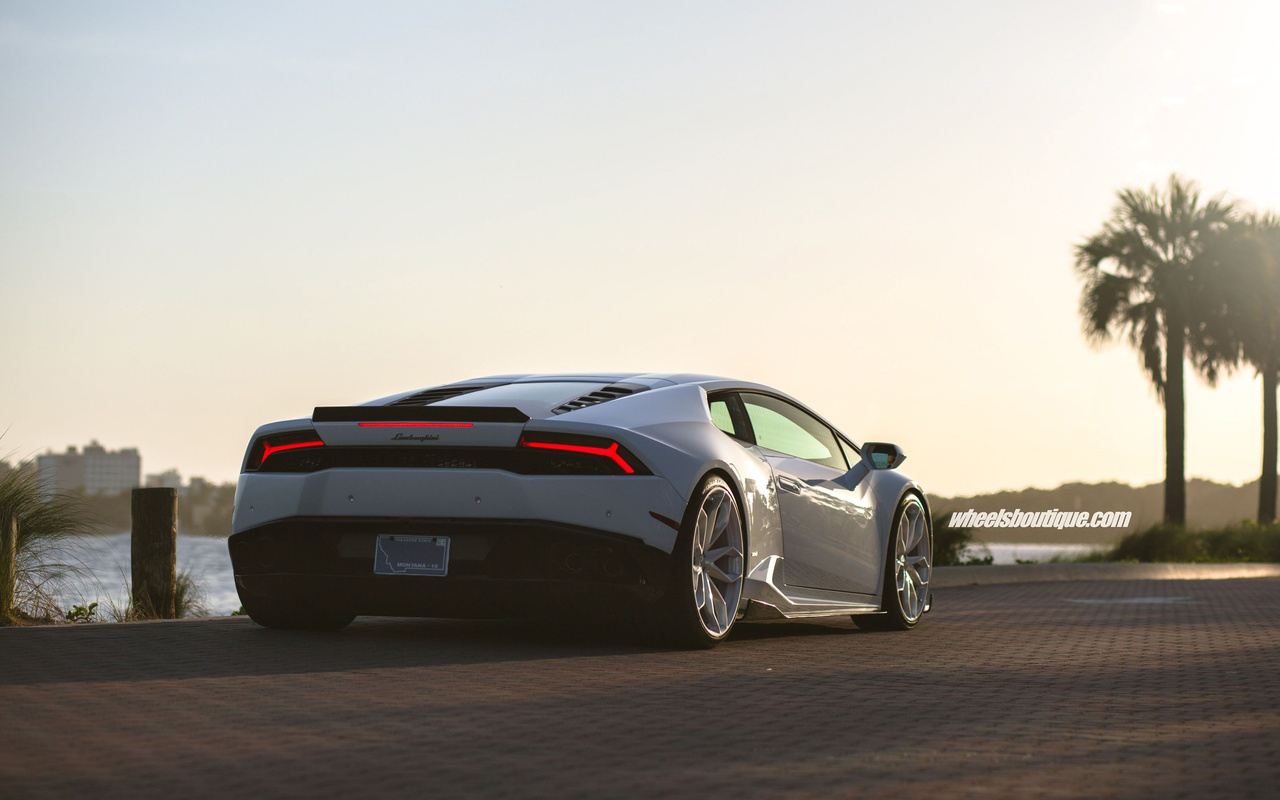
x,y
684,502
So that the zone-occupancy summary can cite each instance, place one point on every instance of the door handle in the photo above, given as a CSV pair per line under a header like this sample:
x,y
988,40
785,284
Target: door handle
x,y
787,484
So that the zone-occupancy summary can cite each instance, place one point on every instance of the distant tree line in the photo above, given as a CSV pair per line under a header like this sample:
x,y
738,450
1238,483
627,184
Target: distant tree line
x,y
205,510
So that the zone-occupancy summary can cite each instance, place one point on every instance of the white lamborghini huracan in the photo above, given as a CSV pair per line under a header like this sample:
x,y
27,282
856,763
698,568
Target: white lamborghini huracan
x,y
690,500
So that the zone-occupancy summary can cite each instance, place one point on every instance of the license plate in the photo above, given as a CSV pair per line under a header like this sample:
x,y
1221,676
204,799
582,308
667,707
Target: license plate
x,y
411,555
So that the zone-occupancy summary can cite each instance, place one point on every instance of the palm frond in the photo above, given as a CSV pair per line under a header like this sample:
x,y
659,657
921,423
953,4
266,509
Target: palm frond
x,y
1146,267
1104,301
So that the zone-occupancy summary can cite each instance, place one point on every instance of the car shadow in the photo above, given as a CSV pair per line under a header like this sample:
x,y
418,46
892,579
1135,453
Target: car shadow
x,y
781,629
229,647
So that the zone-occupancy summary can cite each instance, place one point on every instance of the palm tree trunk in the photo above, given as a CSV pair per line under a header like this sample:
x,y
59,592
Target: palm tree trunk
x,y
1267,486
1175,424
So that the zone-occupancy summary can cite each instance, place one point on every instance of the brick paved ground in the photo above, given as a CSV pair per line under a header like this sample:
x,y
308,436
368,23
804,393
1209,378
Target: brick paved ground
x,y
1005,691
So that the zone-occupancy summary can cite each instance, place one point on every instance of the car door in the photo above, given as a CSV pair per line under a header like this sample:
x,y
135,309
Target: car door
x,y
828,535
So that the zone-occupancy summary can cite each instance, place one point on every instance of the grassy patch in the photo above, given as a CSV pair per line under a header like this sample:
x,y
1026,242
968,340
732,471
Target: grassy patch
x,y
1098,556
1239,543
47,552
1246,542
189,600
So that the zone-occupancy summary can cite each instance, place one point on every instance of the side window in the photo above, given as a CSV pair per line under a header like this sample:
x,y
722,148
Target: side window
x,y
721,417
851,455
728,416
783,428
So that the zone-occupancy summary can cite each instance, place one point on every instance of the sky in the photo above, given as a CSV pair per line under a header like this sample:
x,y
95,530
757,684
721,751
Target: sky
x,y
218,215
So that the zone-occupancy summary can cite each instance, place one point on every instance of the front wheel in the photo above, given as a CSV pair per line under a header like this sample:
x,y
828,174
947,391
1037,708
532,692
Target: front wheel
x,y
908,568
706,588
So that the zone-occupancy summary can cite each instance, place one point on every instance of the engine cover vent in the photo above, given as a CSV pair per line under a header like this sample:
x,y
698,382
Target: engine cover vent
x,y
601,395
429,396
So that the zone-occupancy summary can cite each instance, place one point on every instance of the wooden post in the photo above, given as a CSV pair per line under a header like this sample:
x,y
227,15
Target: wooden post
x,y
154,550
8,564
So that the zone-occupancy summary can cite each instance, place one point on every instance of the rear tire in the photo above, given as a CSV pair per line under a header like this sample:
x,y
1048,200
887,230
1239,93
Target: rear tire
x,y
908,568
707,568
289,618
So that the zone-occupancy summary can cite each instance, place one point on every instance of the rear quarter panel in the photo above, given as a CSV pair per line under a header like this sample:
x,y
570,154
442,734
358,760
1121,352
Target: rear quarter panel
x,y
670,429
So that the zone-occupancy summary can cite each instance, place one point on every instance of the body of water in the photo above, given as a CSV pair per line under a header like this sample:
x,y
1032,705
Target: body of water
x,y
1012,553
106,560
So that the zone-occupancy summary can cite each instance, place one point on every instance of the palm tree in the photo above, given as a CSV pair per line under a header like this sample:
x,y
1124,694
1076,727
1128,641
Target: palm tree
x,y
1246,328
1264,353
1144,279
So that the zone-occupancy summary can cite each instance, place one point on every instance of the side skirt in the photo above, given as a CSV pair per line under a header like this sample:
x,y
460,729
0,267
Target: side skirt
x,y
769,599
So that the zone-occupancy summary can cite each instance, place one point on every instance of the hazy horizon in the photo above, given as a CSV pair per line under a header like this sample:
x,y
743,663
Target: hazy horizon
x,y
212,217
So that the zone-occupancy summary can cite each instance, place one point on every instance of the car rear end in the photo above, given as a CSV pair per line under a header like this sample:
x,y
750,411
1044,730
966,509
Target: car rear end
x,y
488,503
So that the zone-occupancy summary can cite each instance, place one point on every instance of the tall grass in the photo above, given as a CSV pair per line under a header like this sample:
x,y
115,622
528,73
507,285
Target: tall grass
x,y
47,552
189,597
189,600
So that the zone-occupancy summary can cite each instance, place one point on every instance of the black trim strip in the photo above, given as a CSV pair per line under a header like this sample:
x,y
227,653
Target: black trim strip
x,y
406,524
670,523
417,414
517,460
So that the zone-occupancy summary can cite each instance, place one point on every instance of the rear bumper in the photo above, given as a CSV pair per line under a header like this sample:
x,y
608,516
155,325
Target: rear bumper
x,y
497,568
610,504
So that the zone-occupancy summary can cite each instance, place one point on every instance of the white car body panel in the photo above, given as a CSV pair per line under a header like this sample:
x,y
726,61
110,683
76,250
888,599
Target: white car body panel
x,y
589,501
668,426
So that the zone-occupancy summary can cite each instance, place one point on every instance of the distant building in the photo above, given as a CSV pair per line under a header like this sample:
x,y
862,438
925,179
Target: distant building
x,y
169,479
111,473
95,470
61,472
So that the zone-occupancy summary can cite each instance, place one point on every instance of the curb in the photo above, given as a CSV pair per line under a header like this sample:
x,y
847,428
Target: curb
x,y
1037,573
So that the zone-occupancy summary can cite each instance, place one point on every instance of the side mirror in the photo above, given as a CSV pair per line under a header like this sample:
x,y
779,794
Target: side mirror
x,y
875,455
882,455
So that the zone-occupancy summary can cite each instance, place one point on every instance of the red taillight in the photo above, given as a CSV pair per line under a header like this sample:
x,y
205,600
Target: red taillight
x,y
271,444
416,425
267,449
610,452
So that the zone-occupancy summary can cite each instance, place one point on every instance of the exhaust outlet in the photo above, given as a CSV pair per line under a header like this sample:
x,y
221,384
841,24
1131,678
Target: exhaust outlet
x,y
267,552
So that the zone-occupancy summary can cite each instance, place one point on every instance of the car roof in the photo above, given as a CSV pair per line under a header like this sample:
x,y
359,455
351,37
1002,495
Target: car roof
x,y
650,379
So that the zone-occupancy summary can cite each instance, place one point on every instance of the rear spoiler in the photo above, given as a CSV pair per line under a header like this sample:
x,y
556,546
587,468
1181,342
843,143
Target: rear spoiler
x,y
418,414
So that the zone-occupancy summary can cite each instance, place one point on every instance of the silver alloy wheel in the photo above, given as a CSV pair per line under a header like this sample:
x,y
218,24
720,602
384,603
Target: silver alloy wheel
x,y
912,553
717,561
